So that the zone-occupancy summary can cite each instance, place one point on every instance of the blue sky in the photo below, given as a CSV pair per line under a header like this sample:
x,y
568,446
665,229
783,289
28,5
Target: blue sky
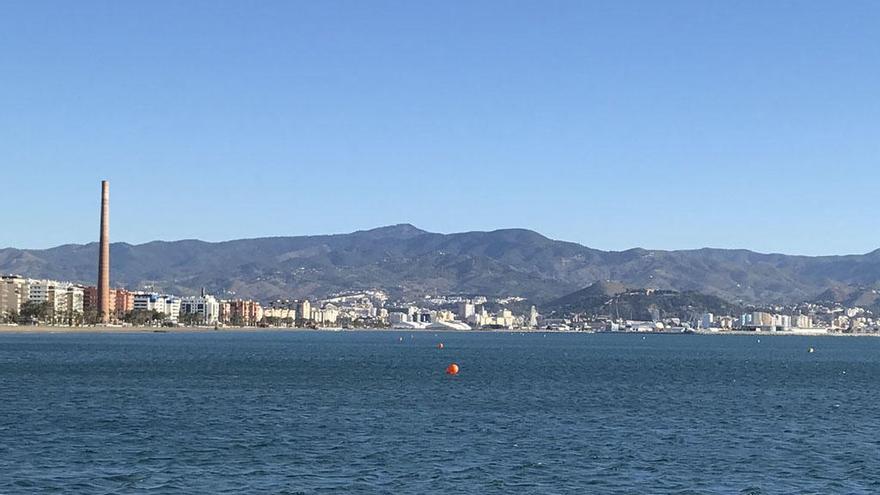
x,y
615,124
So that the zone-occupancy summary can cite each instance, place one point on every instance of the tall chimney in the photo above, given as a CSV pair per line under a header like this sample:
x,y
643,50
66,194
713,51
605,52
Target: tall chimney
x,y
104,256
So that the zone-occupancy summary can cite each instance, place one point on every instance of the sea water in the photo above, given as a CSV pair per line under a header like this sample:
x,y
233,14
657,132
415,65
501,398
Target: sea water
x,y
374,412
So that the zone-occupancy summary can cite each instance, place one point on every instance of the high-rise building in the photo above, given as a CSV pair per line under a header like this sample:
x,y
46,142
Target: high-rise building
x,y
802,321
241,312
64,300
707,321
304,310
533,317
13,293
207,308
68,301
465,310
762,319
124,302
326,315
121,302
782,322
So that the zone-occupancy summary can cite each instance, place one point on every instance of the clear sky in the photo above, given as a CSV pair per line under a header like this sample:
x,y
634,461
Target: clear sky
x,y
616,124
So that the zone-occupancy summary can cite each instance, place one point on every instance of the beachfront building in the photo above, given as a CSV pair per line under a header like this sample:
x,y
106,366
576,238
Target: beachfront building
x,y
399,319
161,303
725,322
304,310
762,321
63,300
502,319
205,308
326,315
280,312
802,321
241,313
466,310
707,321
782,322
121,302
533,317
68,304
13,293
767,322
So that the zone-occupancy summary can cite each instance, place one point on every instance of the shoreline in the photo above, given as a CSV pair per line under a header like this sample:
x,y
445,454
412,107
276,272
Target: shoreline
x,y
14,329
42,329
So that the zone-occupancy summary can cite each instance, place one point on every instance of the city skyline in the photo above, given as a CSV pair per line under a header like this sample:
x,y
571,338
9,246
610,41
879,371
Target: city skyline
x,y
33,301
679,125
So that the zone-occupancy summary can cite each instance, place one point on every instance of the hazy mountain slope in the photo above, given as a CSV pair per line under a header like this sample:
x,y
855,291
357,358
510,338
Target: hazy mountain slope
x,y
851,296
406,260
615,300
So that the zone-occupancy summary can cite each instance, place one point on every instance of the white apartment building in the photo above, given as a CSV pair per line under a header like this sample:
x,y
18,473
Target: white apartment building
x,y
206,306
327,315
65,299
533,317
782,322
161,303
502,319
281,313
802,321
304,309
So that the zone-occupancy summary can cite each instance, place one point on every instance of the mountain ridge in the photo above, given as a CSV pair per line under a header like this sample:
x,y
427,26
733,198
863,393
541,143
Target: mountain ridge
x,y
409,261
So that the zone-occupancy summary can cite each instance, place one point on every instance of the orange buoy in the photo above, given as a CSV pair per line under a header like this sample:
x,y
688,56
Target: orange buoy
x,y
440,345
452,369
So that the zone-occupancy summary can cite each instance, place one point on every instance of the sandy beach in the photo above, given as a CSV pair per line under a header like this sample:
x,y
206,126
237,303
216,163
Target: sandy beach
x,y
121,330
42,329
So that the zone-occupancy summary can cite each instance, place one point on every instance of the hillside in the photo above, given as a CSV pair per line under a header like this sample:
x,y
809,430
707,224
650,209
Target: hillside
x,y
614,300
408,261
851,296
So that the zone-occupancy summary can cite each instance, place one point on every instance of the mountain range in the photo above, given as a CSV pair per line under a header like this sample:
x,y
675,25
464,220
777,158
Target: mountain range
x,y
407,261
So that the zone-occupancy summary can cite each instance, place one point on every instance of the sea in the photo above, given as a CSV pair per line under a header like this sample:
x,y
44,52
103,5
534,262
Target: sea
x,y
374,412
